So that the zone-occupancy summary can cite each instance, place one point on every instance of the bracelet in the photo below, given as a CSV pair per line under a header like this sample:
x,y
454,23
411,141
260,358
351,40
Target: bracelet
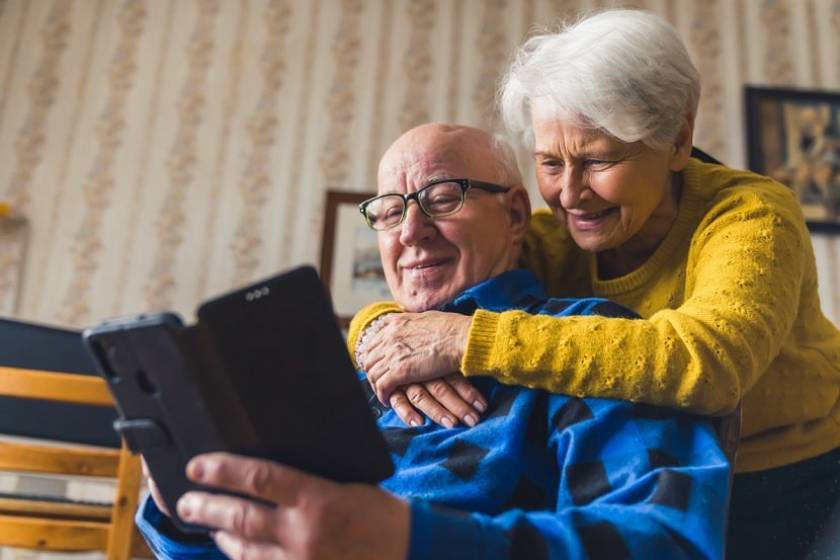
x,y
367,334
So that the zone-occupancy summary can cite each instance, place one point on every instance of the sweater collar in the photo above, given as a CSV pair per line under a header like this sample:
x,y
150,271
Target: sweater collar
x,y
689,210
498,293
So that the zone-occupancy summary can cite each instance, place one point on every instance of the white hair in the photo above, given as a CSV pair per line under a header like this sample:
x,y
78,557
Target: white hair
x,y
625,72
505,160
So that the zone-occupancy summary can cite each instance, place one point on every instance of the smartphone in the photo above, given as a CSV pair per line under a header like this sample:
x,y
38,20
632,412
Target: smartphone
x,y
264,372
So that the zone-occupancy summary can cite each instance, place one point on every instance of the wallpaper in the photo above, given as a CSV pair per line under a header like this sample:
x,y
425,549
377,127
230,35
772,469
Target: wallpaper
x,y
163,151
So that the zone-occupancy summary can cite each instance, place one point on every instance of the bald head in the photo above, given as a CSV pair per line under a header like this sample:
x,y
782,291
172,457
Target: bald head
x,y
454,143
428,261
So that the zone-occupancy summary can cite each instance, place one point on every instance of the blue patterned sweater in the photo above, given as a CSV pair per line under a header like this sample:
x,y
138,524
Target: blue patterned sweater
x,y
542,475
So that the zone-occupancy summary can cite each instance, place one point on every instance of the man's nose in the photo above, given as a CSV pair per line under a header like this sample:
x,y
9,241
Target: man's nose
x,y
417,226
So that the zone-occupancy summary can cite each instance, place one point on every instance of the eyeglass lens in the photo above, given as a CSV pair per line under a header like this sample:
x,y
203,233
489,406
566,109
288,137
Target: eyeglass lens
x,y
435,200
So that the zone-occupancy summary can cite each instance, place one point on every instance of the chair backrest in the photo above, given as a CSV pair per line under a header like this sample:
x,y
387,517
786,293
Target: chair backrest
x,y
703,156
49,393
31,346
57,525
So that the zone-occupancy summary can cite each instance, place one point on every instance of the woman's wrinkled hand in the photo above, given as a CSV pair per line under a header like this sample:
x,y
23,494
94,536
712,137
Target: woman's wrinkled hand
x,y
411,348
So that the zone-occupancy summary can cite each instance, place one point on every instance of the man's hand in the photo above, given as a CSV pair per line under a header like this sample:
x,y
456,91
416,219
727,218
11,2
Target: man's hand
x,y
445,401
411,348
301,516
153,489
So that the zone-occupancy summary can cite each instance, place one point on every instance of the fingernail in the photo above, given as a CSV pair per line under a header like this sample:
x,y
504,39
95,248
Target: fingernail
x,y
470,420
197,470
185,505
448,422
414,422
481,406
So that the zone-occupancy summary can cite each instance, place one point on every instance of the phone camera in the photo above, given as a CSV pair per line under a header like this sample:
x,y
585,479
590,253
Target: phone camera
x,y
146,385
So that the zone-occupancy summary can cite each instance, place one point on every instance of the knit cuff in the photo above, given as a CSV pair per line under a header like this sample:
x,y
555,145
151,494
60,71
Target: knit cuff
x,y
480,339
362,321
166,541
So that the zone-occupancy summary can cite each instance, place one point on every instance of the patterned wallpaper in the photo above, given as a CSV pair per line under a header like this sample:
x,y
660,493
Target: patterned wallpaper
x,y
165,150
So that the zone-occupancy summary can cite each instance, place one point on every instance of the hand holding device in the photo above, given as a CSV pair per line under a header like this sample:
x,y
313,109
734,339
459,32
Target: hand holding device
x,y
263,373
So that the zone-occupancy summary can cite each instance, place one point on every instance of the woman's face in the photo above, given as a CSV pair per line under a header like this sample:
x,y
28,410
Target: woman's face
x,y
605,191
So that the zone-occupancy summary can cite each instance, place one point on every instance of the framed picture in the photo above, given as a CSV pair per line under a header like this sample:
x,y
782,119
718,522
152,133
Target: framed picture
x,y
350,264
793,136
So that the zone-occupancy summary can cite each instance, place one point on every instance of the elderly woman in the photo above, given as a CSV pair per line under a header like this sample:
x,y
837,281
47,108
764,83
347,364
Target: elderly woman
x,y
717,261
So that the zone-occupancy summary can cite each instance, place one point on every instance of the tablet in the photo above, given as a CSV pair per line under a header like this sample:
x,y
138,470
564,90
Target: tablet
x,y
264,372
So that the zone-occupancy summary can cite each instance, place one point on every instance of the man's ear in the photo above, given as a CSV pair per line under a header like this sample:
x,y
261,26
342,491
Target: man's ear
x,y
681,149
519,212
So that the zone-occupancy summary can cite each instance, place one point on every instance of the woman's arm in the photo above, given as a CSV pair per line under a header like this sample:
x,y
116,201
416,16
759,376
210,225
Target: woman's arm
x,y
744,274
744,277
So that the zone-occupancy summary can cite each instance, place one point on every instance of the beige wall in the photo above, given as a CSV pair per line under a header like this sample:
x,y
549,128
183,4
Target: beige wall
x,y
165,150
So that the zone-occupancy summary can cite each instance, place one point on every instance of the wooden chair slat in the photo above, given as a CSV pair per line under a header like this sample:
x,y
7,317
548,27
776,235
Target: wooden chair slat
x,y
83,527
52,386
70,460
47,534
30,507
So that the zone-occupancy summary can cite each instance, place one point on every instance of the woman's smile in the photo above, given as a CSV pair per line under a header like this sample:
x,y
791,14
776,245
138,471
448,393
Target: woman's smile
x,y
590,221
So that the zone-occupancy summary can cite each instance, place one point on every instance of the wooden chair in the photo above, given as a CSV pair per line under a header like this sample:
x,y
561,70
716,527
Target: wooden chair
x,y
57,524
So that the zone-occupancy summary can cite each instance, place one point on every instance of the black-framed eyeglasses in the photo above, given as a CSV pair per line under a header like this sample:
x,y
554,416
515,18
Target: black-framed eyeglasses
x,y
439,198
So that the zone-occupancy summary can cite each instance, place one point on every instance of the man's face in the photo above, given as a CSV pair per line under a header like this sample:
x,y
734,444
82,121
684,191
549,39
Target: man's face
x,y
427,261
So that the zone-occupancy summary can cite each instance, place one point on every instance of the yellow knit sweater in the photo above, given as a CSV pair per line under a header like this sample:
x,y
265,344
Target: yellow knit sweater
x,y
730,312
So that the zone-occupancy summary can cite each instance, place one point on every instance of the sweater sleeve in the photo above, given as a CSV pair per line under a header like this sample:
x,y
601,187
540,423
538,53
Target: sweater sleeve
x,y
615,501
743,279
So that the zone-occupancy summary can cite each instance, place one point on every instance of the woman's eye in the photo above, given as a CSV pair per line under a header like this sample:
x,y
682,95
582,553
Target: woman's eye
x,y
598,163
551,164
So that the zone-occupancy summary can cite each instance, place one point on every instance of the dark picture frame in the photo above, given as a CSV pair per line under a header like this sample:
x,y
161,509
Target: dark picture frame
x,y
793,136
350,266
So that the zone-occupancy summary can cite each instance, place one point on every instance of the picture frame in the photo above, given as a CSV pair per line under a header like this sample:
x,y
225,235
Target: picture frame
x,y
793,136
350,266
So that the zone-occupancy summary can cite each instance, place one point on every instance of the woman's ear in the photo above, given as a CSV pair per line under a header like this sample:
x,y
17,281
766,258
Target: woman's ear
x,y
519,212
681,149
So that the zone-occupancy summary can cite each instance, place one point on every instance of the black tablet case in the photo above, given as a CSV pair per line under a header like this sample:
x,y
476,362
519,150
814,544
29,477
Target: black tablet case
x,y
238,380
32,346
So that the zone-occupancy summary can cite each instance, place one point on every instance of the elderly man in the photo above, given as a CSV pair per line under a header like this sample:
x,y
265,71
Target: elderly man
x,y
542,476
